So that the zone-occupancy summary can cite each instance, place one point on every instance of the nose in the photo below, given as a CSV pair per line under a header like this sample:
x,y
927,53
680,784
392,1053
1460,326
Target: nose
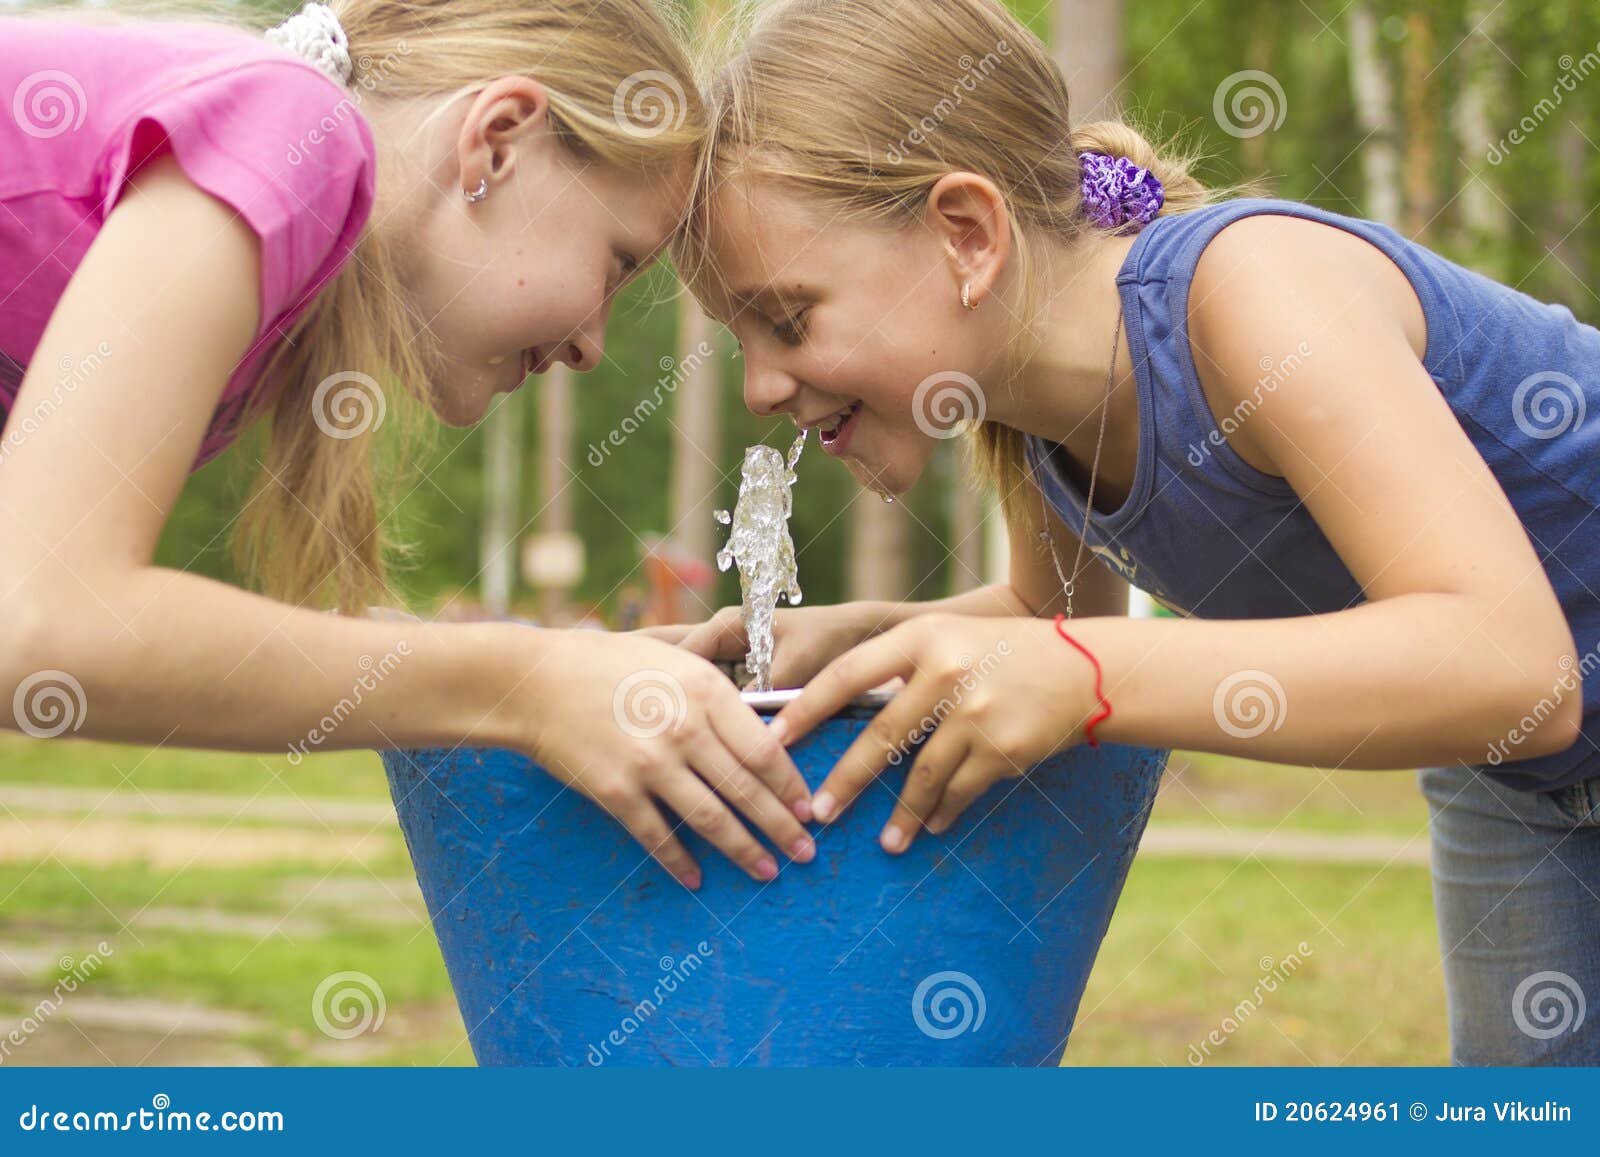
x,y
587,346
581,354
767,389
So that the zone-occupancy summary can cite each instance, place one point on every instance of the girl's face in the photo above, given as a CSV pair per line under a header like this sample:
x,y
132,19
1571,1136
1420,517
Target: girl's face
x,y
526,277
842,320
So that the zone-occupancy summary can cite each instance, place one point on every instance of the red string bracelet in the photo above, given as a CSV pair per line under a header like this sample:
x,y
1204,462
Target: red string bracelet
x,y
1105,704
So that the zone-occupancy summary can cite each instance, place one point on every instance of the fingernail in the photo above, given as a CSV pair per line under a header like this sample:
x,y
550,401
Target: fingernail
x,y
802,809
822,806
893,838
690,880
779,727
767,868
803,849
937,827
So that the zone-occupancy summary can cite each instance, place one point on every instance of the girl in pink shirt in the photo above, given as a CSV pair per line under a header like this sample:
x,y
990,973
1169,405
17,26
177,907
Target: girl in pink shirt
x,y
373,211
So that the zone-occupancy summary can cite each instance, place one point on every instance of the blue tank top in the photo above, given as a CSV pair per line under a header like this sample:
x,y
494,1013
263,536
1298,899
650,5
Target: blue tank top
x,y
1207,535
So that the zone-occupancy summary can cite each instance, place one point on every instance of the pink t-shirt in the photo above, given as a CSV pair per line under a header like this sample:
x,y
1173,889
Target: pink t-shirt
x,y
83,106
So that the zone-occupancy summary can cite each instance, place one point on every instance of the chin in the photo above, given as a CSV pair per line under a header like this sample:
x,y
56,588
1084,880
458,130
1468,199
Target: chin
x,y
461,412
885,478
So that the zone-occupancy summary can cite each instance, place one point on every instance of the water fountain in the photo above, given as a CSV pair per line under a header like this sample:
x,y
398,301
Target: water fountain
x,y
566,945
760,544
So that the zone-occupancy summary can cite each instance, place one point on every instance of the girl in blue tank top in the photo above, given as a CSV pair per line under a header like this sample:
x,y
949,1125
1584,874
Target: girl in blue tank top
x,y
1363,476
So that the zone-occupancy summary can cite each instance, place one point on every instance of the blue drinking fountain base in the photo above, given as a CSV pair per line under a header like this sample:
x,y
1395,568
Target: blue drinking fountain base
x,y
567,945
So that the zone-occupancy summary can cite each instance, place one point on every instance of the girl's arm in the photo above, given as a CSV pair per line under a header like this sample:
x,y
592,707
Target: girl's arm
x,y
169,288
130,651
1462,635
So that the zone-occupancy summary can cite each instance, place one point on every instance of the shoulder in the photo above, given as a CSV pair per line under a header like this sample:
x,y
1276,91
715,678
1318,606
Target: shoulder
x,y
1268,290
278,142
1285,246
1298,262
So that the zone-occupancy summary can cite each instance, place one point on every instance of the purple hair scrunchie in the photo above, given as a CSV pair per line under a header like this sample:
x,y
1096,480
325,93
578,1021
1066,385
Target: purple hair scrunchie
x,y
1117,192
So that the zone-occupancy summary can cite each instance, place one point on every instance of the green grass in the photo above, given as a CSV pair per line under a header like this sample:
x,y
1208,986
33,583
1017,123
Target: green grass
x,y
1191,939
63,898
272,978
1202,789
80,763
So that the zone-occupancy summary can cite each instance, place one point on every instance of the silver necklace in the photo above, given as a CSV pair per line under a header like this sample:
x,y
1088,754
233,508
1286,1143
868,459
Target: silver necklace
x,y
1094,470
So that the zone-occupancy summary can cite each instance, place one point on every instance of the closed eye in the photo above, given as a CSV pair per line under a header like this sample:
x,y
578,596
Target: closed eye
x,y
791,330
627,266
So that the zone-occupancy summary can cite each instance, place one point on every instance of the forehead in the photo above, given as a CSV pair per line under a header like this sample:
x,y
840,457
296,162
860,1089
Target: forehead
x,y
648,207
760,235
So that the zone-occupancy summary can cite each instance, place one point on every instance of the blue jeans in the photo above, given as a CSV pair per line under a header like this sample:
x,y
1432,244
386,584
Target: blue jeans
x,y
1516,888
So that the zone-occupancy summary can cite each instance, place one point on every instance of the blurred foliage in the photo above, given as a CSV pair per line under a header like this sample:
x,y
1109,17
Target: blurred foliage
x,y
1177,53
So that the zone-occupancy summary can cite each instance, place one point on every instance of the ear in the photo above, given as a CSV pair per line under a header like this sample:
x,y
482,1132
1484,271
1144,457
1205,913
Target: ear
x,y
509,115
968,214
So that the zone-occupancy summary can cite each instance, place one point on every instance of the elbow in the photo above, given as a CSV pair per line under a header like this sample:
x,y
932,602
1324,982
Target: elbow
x,y
1564,728
1544,717
27,661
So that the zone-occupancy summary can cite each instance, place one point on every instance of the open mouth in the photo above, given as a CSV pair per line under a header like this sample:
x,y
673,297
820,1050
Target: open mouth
x,y
831,427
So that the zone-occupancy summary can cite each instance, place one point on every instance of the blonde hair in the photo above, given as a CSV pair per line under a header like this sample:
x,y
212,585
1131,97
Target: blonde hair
x,y
863,105
311,531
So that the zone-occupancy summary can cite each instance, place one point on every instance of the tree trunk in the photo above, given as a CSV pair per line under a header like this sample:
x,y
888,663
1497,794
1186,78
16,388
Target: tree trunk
x,y
1088,50
1422,125
879,566
1374,99
1484,221
1561,229
502,486
697,434
557,421
966,526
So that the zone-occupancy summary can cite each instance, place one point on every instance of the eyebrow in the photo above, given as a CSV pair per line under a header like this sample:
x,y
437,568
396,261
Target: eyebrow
x,y
765,295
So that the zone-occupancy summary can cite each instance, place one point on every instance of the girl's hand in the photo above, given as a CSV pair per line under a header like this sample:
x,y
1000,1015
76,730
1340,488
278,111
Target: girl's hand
x,y
997,694
632,723
804,639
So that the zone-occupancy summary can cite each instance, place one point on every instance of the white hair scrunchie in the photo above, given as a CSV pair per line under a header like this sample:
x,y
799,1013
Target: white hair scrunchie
x,y
315,34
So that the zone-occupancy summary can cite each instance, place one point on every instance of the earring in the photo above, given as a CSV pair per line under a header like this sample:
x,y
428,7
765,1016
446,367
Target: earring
x,y
966,295
479,193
